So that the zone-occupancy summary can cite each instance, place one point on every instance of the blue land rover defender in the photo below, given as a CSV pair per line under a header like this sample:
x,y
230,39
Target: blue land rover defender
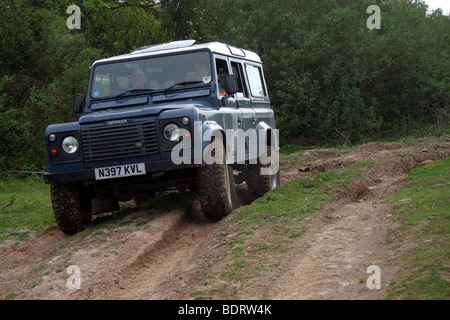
x,y
172,116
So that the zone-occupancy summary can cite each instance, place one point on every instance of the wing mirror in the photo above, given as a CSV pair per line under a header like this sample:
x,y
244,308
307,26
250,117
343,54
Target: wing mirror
x,y
231,84
78,104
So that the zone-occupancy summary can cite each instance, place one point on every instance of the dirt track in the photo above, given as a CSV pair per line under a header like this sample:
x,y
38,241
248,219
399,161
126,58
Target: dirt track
x,y
168,257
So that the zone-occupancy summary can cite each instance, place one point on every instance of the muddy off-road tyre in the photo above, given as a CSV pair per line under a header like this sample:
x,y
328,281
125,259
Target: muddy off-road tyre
x,y
215,187
71,206
259,184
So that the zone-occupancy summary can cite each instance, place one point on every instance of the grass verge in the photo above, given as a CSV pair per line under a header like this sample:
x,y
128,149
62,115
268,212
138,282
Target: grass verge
x,y
25,206
423,208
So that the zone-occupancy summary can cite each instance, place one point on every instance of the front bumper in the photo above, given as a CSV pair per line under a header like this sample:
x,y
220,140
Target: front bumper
x,y
89,174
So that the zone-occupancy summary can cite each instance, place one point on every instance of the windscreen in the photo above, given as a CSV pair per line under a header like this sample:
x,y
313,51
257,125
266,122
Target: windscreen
x,y
153,73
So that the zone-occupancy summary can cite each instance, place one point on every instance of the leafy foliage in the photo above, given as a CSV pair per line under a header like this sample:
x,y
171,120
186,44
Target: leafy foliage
x,y
330,78
333,79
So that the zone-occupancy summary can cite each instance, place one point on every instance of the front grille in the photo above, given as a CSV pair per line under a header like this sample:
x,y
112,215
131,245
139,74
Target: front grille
x,y
120,141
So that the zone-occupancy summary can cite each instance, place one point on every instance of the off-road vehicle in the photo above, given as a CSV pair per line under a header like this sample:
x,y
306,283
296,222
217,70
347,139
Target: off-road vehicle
x,y
172,116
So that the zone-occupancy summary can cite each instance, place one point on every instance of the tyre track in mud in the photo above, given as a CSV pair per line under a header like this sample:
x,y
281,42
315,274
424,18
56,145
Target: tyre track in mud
x,y
168,259
330,260
165,258
342,242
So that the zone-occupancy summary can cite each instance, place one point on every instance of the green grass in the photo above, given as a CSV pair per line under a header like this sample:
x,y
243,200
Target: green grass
x,y
300,198
25,206
423,207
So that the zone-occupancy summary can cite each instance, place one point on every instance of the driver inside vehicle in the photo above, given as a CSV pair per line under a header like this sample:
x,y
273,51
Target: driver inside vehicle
x,y
139,79
202,73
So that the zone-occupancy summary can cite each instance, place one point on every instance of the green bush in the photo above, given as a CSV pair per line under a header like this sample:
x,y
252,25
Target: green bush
x,y
331,79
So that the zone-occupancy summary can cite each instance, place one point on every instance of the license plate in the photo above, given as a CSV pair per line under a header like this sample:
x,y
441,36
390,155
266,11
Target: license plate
x,y
126,170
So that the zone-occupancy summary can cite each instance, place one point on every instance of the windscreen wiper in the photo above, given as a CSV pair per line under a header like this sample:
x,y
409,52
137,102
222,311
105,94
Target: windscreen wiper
x,y
134,90
184,83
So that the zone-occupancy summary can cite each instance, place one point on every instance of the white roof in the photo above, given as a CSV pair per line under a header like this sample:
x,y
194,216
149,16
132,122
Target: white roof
x,y
184,46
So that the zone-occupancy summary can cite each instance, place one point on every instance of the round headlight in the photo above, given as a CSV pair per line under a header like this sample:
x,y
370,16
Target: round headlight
x,y
70,144
171,132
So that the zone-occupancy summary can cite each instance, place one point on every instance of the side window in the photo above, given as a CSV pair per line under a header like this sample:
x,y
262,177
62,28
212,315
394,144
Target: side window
x,y
222,71
255,79
239,73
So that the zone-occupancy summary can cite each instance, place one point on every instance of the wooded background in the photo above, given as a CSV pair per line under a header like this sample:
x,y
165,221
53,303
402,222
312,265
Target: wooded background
x,y
331,79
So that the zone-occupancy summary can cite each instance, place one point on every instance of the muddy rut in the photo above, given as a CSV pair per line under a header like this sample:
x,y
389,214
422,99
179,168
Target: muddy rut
x,y
171,254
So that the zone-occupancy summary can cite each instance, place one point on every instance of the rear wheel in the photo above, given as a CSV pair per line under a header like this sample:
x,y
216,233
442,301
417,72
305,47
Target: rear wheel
x,y
142,198
258,180
104,205
71,206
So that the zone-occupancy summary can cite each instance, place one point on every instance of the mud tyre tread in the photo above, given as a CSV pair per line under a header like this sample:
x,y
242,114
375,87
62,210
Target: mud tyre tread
x,y
71,207
213,181
258,184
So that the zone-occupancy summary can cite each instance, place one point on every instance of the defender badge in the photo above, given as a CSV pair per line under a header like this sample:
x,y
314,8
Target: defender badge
x,y
122,121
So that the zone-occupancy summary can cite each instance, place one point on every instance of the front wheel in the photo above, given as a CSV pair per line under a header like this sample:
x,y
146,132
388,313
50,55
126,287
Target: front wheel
x,y
71,206
216,188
